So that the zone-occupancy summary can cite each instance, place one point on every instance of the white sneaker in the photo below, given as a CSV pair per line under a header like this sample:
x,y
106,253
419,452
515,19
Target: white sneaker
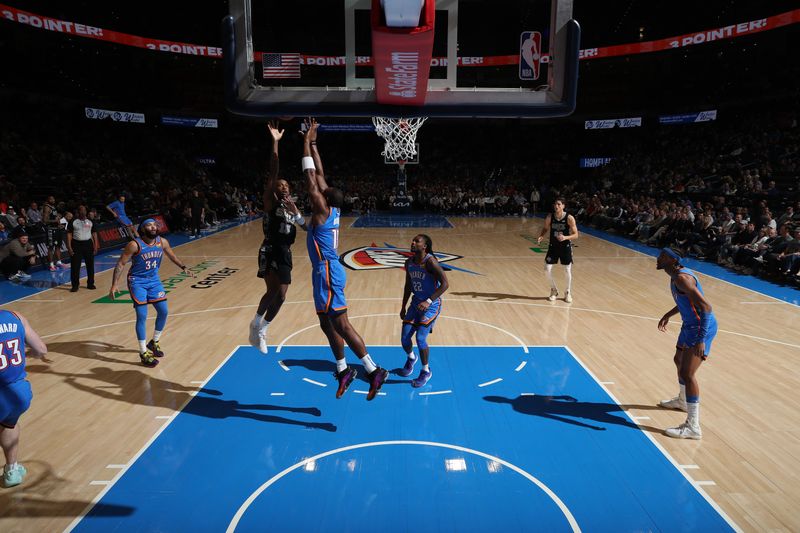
x,y
24,276
553,294
254,330
262,340
685,431
568,297
674,403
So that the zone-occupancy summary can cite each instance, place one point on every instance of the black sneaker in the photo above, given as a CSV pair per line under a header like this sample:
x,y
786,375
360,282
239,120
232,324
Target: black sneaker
x,y
376,380
345,378
154,347
148,359
91,287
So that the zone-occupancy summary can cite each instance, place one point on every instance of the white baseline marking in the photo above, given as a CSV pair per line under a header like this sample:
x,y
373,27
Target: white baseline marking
x,y
277,394
705,483
283,365
765,303
249,501
521,366
102,493
164,417
606,383
662,450
435,393
689,467
117,467
317,383
99,483
492,382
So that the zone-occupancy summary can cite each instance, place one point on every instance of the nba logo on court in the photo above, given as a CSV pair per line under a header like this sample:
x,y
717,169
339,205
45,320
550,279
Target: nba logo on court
x,y
530,54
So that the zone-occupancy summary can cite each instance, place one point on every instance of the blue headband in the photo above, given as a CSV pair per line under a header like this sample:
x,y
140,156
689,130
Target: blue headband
x,y
670,253
147,221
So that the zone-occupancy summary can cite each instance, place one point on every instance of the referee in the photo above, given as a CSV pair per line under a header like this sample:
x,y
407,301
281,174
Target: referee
x,y
82,244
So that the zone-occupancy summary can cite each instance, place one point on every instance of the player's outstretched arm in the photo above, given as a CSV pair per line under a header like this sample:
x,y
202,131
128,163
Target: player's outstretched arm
x,y
174,258
33,341
319,206
320,172
127,252
545,229
269,183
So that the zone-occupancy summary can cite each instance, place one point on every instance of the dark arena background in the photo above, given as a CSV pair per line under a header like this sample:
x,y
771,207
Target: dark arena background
x,y
664,129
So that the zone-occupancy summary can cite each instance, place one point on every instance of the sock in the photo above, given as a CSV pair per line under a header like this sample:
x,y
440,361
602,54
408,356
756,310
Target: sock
x,y
9,467
341,364
258,319
369,364
568,268
157,335
425,368
412,356
142,346
682,393
693,411
263,328
549,270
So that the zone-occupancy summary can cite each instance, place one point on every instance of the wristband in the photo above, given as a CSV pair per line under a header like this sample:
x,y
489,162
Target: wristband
x,y
308,163
299,220
429,301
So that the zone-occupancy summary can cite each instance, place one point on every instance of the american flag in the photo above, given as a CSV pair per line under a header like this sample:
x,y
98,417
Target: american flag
x,y
281,65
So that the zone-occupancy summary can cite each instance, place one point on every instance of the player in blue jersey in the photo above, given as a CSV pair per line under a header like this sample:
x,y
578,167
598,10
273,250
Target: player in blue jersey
x,y
425,279
328,275
117,208
16,335
145,253
694,342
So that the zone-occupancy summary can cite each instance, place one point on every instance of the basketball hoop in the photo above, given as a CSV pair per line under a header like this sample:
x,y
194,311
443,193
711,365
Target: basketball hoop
x,y
400,135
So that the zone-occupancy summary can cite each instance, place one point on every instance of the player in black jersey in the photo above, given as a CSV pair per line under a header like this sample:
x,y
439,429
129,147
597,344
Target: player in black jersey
x,y
275,254
563,230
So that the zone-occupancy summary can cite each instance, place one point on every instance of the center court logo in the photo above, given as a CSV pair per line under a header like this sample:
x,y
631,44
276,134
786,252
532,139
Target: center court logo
x,y
381,257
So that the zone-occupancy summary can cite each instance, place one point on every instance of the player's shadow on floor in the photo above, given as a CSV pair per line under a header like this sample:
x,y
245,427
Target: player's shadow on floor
x,y
93,350
566,409
494,296
138,387
328,368
36,497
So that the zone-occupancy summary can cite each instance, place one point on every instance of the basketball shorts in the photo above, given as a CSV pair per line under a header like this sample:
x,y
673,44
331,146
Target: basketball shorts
x,y
559,252
690,336
55,237
122,220
276,259
15,398
146,291
329,279
423,318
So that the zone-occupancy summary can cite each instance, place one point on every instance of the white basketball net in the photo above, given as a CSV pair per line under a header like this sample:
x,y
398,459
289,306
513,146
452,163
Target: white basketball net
x,y
400,135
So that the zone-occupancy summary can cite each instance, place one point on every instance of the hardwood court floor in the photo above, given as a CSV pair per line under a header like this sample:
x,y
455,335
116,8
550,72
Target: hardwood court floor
x,y
95,406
